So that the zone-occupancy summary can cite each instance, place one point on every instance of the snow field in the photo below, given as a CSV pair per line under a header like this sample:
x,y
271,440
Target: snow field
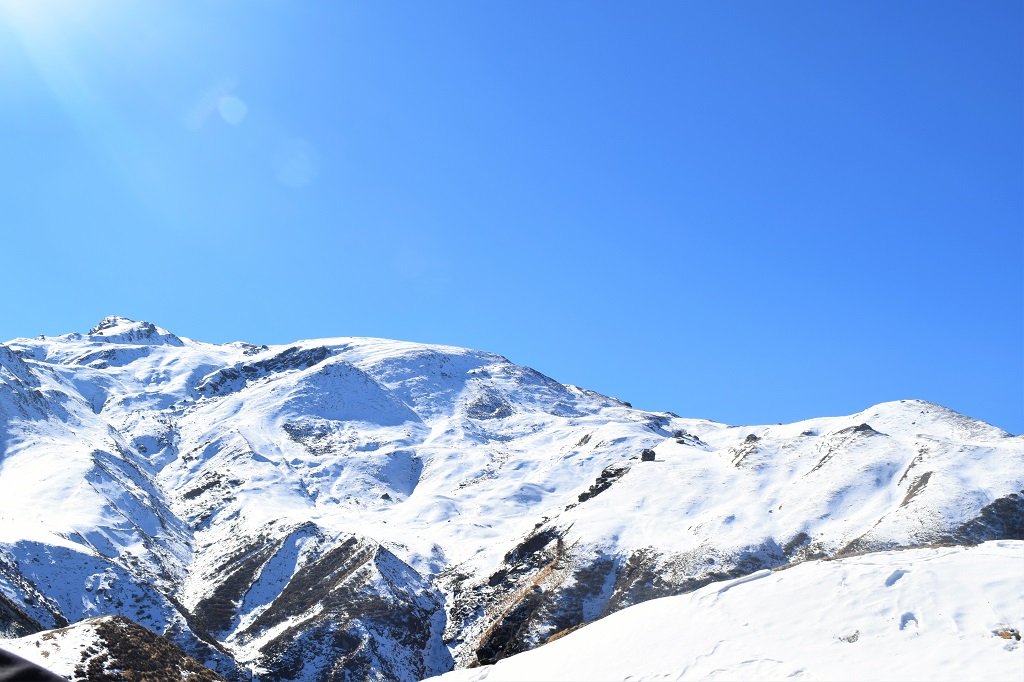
x,y
933,614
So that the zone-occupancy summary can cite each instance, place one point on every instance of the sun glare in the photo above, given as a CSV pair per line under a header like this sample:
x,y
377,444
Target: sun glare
x,y
34,17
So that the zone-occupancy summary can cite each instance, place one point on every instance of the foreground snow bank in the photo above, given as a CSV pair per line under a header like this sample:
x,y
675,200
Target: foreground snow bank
x,y
949,613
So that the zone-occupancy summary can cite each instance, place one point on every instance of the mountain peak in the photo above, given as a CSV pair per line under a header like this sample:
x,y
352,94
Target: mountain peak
x,y
111,322
119,329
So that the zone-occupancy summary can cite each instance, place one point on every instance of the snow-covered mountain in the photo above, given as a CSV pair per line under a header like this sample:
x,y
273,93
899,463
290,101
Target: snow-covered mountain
x,y
357,508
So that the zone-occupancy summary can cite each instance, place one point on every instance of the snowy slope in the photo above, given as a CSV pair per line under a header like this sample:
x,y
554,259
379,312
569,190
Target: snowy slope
x,y
108,647
934,614
392,509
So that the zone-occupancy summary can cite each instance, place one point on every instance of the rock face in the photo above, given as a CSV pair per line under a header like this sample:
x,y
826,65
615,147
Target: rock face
x,y
370,509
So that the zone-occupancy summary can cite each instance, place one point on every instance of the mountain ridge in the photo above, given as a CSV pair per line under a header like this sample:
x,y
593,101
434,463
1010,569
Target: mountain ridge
x,y
210,492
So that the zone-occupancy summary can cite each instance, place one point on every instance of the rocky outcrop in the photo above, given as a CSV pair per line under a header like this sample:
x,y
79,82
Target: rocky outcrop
x,y
231,379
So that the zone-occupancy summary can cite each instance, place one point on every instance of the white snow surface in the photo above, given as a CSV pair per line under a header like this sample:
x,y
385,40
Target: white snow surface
x,y
455,437
134,461
58,651
922,614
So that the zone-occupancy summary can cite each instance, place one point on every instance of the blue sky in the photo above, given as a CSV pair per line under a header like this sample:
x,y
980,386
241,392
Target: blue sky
x,y
751,212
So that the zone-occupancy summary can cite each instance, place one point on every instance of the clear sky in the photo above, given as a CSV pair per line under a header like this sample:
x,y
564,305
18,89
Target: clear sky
x,y
747,211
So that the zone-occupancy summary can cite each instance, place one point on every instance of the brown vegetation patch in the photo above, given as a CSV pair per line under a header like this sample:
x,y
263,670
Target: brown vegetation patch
x,y
129,652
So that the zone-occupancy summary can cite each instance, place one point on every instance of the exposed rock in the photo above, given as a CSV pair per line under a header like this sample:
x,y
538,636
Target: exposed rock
x,y
603,482
1002,519
1007,633
128,651
235,378
486,405
862,429
14,622
916,487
